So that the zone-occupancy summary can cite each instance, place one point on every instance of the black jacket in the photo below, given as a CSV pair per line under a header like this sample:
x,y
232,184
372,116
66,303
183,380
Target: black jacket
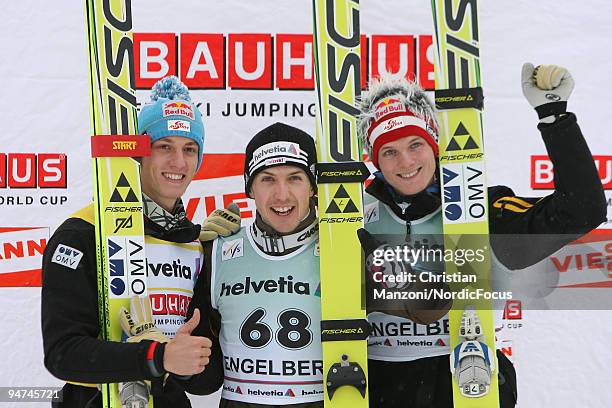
x,y
70,328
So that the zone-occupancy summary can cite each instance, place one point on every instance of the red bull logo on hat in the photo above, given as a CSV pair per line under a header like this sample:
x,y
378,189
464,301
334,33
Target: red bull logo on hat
x,y
178,108
387,106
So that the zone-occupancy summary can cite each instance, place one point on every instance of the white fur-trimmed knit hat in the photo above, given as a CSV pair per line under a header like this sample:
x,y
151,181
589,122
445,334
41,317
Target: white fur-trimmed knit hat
x,y
393,108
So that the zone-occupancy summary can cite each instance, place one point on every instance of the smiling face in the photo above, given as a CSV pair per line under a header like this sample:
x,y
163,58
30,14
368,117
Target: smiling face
x,y
167,172
408,164
282,196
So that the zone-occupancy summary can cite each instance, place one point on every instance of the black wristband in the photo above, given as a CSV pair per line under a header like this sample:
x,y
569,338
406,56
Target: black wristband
x,y
154,359
550,109
158,359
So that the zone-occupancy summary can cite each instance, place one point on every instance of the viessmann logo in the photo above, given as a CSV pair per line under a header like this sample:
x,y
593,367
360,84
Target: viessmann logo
x,y
21,251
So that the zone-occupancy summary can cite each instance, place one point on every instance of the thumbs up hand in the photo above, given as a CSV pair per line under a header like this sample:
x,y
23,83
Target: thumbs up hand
x,y
187,354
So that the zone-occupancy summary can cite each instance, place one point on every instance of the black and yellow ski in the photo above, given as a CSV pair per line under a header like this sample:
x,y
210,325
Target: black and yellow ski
x,y
119,224
340,174
459,100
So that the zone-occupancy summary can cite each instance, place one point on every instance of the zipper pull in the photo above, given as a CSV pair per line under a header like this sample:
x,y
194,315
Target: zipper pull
x,y
408,230
404,207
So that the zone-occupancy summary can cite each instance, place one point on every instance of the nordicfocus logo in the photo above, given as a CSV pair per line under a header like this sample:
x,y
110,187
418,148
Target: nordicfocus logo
x,y
174,269
281,285
388,106
181,125
178,109
276,149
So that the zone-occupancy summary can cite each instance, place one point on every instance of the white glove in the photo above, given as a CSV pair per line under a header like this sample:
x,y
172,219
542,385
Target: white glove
x,y
547,88
223,223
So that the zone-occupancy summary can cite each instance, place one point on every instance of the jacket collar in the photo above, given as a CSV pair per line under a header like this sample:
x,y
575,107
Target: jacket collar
x,y
174,226
410,207
274,243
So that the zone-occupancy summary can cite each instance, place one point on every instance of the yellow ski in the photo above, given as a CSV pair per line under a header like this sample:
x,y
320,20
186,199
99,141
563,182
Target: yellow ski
x,y
339,178
465,216
119,224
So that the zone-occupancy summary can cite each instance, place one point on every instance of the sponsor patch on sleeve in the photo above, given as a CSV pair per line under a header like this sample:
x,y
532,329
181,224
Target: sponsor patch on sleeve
x,y
67,256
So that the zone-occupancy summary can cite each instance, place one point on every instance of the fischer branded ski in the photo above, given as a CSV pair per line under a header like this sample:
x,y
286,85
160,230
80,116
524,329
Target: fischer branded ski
x,y
340,175
119,225
459,100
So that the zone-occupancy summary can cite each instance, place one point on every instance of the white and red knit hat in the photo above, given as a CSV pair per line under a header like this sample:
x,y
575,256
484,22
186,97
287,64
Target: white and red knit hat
x,y
393,108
